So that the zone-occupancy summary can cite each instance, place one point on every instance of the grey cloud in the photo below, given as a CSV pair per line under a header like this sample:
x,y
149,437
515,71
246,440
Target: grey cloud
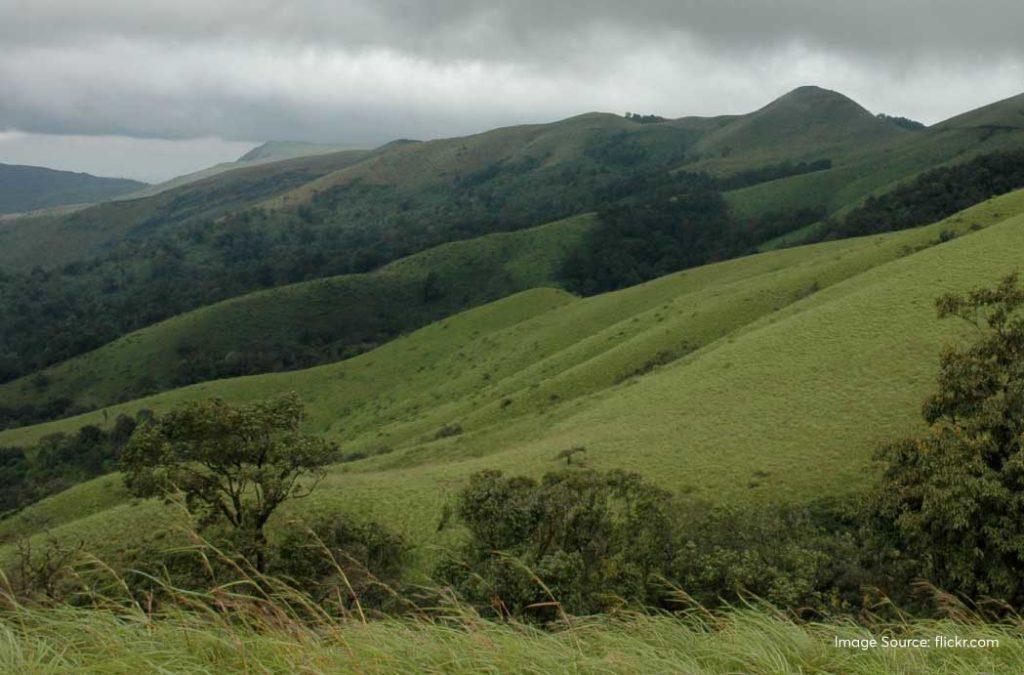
x,y
479,29
371,70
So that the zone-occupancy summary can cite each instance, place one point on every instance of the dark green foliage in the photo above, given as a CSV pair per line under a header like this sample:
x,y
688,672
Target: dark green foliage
x,y
25,415
339,560
933,196
822,557
771,172
656,223
589,541
233,464
59,461
672,227
954,497
644,119
906,123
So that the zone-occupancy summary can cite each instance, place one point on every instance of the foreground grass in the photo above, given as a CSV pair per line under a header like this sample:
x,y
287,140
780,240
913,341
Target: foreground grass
x,y
747,640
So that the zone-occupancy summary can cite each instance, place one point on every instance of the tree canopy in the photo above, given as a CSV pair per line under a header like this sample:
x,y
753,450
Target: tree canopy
x,y
955,495
231,463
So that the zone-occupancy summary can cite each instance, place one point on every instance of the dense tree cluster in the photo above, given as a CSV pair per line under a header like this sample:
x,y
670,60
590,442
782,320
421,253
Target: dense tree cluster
x,y
640,240
59,461
933,195
905,122
583,539
665,222
771,172
954,497
644,119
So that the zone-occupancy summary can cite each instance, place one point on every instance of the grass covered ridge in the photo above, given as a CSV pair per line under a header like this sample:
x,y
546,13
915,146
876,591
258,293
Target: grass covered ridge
x,y
356,311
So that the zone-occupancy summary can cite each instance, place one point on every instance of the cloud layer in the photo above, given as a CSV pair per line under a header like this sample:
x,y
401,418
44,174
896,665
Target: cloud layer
x,y
371,70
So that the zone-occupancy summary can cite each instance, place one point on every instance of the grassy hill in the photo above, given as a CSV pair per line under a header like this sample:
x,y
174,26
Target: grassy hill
x,y
271,151
29,188
806,124
119,267
771,377
876,170
54,241
323,320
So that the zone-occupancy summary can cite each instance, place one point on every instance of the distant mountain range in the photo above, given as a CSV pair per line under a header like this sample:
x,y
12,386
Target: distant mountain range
x,y
28,188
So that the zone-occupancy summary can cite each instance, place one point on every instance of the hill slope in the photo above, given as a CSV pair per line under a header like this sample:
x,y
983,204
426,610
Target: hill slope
x,y
29,188
878,169
313,321
808,123
119,267
769,377
271,151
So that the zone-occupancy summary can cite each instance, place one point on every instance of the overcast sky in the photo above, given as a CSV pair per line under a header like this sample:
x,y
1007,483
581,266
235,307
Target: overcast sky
x,y
150,89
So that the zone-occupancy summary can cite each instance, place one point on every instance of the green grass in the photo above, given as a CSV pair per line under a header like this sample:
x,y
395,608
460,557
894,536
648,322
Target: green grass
x,y
355,310
808,123
699,380
737,641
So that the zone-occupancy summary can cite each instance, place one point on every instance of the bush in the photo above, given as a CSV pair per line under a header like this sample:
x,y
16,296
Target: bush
x,y
587,541
822,558
341,561
952,497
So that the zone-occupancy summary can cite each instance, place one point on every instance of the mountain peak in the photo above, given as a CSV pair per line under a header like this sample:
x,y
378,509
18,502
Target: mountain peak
x,y
807,117
811,97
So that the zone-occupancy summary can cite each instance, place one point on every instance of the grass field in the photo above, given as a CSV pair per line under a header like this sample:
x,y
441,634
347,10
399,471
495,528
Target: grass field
x,y
772,377
738,641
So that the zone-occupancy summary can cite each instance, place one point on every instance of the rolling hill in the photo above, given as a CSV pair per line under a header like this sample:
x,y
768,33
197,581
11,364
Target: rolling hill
x,y
117,268
320,320
880,169
31,188
271,151
808,123
771,377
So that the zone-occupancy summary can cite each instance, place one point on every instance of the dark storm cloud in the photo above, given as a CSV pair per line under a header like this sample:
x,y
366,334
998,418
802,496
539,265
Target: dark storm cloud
x,y
370,70
481,29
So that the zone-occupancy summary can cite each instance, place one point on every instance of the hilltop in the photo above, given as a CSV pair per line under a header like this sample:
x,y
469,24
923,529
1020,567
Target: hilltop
x,y
275,151
31,188
807,123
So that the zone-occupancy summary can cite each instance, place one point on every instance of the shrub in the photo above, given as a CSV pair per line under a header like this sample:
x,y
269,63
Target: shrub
x,y
338,560
585,540
954,497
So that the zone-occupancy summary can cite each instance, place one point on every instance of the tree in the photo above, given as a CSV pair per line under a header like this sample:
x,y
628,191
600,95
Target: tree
x,y
236,464
954,497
